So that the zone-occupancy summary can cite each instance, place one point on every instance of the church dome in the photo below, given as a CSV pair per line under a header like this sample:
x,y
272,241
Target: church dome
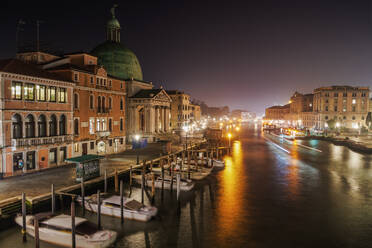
x,y
118,60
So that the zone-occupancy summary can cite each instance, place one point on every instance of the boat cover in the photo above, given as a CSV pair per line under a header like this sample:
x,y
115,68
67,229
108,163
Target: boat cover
x,y
63,221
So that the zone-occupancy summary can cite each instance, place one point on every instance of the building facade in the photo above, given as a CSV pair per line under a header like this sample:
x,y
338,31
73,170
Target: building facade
x,y
347,106
180,109
36,118
196,114
276,113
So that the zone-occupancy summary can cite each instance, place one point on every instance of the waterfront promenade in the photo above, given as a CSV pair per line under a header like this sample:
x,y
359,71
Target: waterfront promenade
x,y
40,182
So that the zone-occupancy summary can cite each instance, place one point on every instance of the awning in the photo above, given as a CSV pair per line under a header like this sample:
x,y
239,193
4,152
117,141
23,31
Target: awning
x,y
84,158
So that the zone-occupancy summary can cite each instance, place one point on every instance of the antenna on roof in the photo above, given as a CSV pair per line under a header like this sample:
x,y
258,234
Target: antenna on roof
x,y
18,29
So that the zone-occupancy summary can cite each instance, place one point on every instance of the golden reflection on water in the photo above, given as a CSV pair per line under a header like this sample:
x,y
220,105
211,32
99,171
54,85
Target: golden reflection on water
x,y
230,206
292,173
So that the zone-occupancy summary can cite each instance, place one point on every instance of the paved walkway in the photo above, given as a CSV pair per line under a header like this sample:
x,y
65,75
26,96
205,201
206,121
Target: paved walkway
x,y
40,182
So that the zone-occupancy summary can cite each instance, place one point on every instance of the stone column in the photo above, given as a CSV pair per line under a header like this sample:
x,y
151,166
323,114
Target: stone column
x,y
157,119
167,119
152,119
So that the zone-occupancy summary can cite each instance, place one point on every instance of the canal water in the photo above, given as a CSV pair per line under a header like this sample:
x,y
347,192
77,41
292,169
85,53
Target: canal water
x,y
272,193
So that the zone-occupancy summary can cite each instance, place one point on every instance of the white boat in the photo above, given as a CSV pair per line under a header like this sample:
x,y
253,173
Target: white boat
x,y
185,185
110,205
218,163
56,229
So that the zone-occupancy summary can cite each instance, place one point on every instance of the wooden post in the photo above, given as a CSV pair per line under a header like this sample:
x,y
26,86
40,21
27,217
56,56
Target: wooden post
x,y
217,153
188,157
61,201
142,186
99,209
105,187
36,228
183,160
116,181
73,223
178,186
171,175
121,201
130,180
53,199
188,165
151,166
153,185
162,175
169,164
202,158
24,212
82,195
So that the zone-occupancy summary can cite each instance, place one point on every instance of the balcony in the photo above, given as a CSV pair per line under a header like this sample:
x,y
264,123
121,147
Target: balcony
x,y
41,141
102,134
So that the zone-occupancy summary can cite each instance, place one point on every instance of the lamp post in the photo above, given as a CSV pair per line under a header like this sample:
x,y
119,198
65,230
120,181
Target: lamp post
x,y
137,137
229,136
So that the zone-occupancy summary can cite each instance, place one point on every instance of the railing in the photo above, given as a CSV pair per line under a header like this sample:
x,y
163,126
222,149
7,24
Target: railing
x,y
41,141
101,134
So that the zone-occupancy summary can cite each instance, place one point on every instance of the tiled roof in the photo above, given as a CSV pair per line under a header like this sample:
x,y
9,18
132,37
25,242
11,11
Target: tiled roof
x,y
147,93
19,67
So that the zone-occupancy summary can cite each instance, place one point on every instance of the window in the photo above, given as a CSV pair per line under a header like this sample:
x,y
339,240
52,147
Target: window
x,y
76,101
362,117
76,147
97,81
363,94
335,108
91,102
29,92
326,117
104,124
98,126
62,125
344,109
92,145
76,77
353,101
344,94
17,126
52,94
344,117
41,126
40,92
121,124
110,83
121,85
354,94
353,118
99,104
326,108
17,90
110,142
91,125
121,141
62,94
326,101
76,126
110,125
53,126
121,104
335,94
53,155
104,82
354,109
91,80
110,102
30,126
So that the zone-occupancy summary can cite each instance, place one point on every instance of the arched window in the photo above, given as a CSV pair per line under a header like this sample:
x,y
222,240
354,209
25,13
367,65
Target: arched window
x,y
91,102
110,102
110,125
121,104
41,126
76,101
17,126
99,104
103,103
30,126
62,125
76,126
53,126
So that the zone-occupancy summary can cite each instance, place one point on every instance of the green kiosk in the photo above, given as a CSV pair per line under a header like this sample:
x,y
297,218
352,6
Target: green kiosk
x,y
87,166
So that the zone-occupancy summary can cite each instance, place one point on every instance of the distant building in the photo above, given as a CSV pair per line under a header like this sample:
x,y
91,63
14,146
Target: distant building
x,y
180,109
301,111
348,106
276,113
36,118
195,114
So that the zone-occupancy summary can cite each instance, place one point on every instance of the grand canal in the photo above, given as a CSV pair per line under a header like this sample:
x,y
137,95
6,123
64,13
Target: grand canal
x,y
272,193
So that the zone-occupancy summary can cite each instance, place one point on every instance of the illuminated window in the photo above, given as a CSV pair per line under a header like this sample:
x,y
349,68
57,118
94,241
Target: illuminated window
x,y
76,147
62,94
98,126
29,91
17,90
40,92
353,101
91,125
52,94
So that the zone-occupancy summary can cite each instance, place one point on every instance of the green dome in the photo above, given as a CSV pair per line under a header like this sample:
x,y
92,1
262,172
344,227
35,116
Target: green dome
x,y
113,23
118,60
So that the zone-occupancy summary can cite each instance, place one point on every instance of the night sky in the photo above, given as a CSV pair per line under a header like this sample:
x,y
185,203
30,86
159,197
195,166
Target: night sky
x,y
244,54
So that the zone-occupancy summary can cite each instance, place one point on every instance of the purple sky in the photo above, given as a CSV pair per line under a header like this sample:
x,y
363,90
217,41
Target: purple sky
x,y
245,54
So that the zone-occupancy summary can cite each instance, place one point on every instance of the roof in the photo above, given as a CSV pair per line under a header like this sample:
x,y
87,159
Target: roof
x,y
341,87
63,221
84,158
19,67
147,93
279,107
175,92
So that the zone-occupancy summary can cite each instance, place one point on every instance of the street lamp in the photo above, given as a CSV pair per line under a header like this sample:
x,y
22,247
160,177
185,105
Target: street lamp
x,y
229,136
186,129
137,138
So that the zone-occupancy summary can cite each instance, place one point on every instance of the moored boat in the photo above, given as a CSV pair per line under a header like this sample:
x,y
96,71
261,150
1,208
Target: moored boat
x,y
56,229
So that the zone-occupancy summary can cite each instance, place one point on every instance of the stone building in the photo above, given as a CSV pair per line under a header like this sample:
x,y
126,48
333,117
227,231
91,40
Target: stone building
x,y
276,113
195,112
301,111
36,118
180,109
347,105
98,104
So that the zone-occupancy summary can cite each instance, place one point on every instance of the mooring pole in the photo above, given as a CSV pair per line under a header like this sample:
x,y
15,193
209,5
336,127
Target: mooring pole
x,y
99,209
130,180
53,199
142,185
121,201
153,186
162,175
178,186
105,185
82,195
24,212
73,232
116,181
171,174
36,227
